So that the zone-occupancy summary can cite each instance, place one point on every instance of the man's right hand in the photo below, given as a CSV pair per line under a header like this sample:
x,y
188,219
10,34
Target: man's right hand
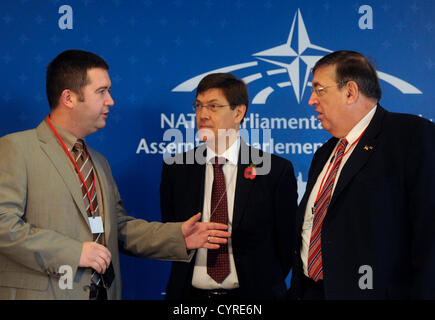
x,y
95,256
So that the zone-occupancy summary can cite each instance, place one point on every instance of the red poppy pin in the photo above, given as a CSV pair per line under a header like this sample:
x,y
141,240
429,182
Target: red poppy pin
x,y
250,172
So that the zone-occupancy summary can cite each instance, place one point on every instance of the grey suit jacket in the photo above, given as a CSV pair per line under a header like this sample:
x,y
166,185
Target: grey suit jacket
x,y
43,221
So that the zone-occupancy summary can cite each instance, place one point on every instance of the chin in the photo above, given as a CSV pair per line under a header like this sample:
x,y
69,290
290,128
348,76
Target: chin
x,y
203,138
101,125
206,134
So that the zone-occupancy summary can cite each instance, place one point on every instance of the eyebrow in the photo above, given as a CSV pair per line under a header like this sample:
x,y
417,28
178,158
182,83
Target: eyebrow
x,y
212,100
103,87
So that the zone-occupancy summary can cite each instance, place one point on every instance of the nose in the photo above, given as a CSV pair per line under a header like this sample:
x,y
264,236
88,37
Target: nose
x,y
313,99
110,102
203,113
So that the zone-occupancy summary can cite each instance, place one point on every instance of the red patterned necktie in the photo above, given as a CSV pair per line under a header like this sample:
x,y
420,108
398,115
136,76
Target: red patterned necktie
x,y
218,263
315,266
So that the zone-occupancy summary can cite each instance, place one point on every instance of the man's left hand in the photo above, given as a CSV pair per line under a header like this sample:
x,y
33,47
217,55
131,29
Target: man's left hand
x,y
203,234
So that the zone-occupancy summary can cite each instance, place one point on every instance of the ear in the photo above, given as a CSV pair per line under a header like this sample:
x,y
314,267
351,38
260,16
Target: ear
x,y
68,98
240,113
351,91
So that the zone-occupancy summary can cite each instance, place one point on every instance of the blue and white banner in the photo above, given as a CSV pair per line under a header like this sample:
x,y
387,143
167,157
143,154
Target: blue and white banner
x,y
158,51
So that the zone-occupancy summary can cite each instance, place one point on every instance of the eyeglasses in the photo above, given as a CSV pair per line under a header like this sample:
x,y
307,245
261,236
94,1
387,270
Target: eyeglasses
x,y
210,107
320,91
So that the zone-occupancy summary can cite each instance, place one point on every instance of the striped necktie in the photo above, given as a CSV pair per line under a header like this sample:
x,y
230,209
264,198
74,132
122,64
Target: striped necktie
x,y
218,263
315,266
84,163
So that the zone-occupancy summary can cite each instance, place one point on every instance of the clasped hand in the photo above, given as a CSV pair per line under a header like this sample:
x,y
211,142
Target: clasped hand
x,y
95,256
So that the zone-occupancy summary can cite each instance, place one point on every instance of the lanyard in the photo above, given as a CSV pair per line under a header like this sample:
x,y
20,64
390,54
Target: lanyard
x,y
89,195
330,163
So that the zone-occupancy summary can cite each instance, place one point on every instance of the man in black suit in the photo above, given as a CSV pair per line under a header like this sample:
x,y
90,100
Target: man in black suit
x,y
366,224
258,203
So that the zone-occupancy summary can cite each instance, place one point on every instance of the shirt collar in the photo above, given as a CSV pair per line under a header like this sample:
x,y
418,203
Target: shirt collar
x,y
359,128
231,154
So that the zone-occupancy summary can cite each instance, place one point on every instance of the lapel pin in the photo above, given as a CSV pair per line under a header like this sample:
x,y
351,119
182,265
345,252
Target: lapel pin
x,y
366,147
250,172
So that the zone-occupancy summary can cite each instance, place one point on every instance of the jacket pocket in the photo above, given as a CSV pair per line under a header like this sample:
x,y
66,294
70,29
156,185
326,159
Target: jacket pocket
x,y
20,280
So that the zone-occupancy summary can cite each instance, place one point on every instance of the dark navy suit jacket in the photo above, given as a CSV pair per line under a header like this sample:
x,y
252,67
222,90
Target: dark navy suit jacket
x,y
263,220
382,214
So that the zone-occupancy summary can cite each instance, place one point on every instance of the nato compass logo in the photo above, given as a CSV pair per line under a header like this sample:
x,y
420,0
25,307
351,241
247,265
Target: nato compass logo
x,y
303,55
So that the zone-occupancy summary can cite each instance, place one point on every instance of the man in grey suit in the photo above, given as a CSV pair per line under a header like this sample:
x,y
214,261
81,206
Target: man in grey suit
x,y
53,215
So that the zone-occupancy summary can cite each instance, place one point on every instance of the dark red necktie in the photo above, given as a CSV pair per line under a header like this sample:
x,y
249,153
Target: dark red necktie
x,y
315,266
218,263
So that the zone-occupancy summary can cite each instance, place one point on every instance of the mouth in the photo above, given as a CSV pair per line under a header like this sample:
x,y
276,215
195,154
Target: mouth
x,y
319,114
203,126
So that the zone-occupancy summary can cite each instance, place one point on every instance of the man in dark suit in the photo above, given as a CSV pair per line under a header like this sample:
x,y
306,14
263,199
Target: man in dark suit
x,y
259,202
365,226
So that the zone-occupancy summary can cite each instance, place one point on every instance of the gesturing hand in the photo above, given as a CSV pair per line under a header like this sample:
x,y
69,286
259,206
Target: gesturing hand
x,y
203,234
95,256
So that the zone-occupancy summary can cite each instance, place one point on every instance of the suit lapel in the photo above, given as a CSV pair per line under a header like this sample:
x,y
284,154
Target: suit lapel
x,y
59,159
361,154
197,175
318,165
243,187
104,185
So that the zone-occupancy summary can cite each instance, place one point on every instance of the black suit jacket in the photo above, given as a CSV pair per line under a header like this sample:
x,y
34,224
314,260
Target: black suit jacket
x,y
263,218
382,213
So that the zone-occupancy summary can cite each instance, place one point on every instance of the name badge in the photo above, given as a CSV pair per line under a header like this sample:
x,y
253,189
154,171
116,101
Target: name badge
x,y
96,224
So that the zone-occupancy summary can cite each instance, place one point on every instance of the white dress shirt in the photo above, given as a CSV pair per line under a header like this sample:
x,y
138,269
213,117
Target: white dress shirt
x,y
307,226
201,279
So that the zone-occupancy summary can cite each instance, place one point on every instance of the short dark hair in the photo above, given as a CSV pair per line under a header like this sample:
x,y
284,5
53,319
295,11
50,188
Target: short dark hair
x,y
234,90
353,66
69,70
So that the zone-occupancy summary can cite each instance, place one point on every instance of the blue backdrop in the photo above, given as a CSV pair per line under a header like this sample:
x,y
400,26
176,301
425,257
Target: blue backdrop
x,y
159,50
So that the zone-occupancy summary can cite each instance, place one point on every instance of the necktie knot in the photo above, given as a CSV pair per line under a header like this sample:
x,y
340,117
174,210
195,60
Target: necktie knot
x,y
342,144
79,145
219,162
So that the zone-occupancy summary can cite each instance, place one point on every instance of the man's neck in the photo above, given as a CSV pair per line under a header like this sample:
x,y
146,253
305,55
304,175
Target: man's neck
x,y
357,115
66,123
231,153
222,145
